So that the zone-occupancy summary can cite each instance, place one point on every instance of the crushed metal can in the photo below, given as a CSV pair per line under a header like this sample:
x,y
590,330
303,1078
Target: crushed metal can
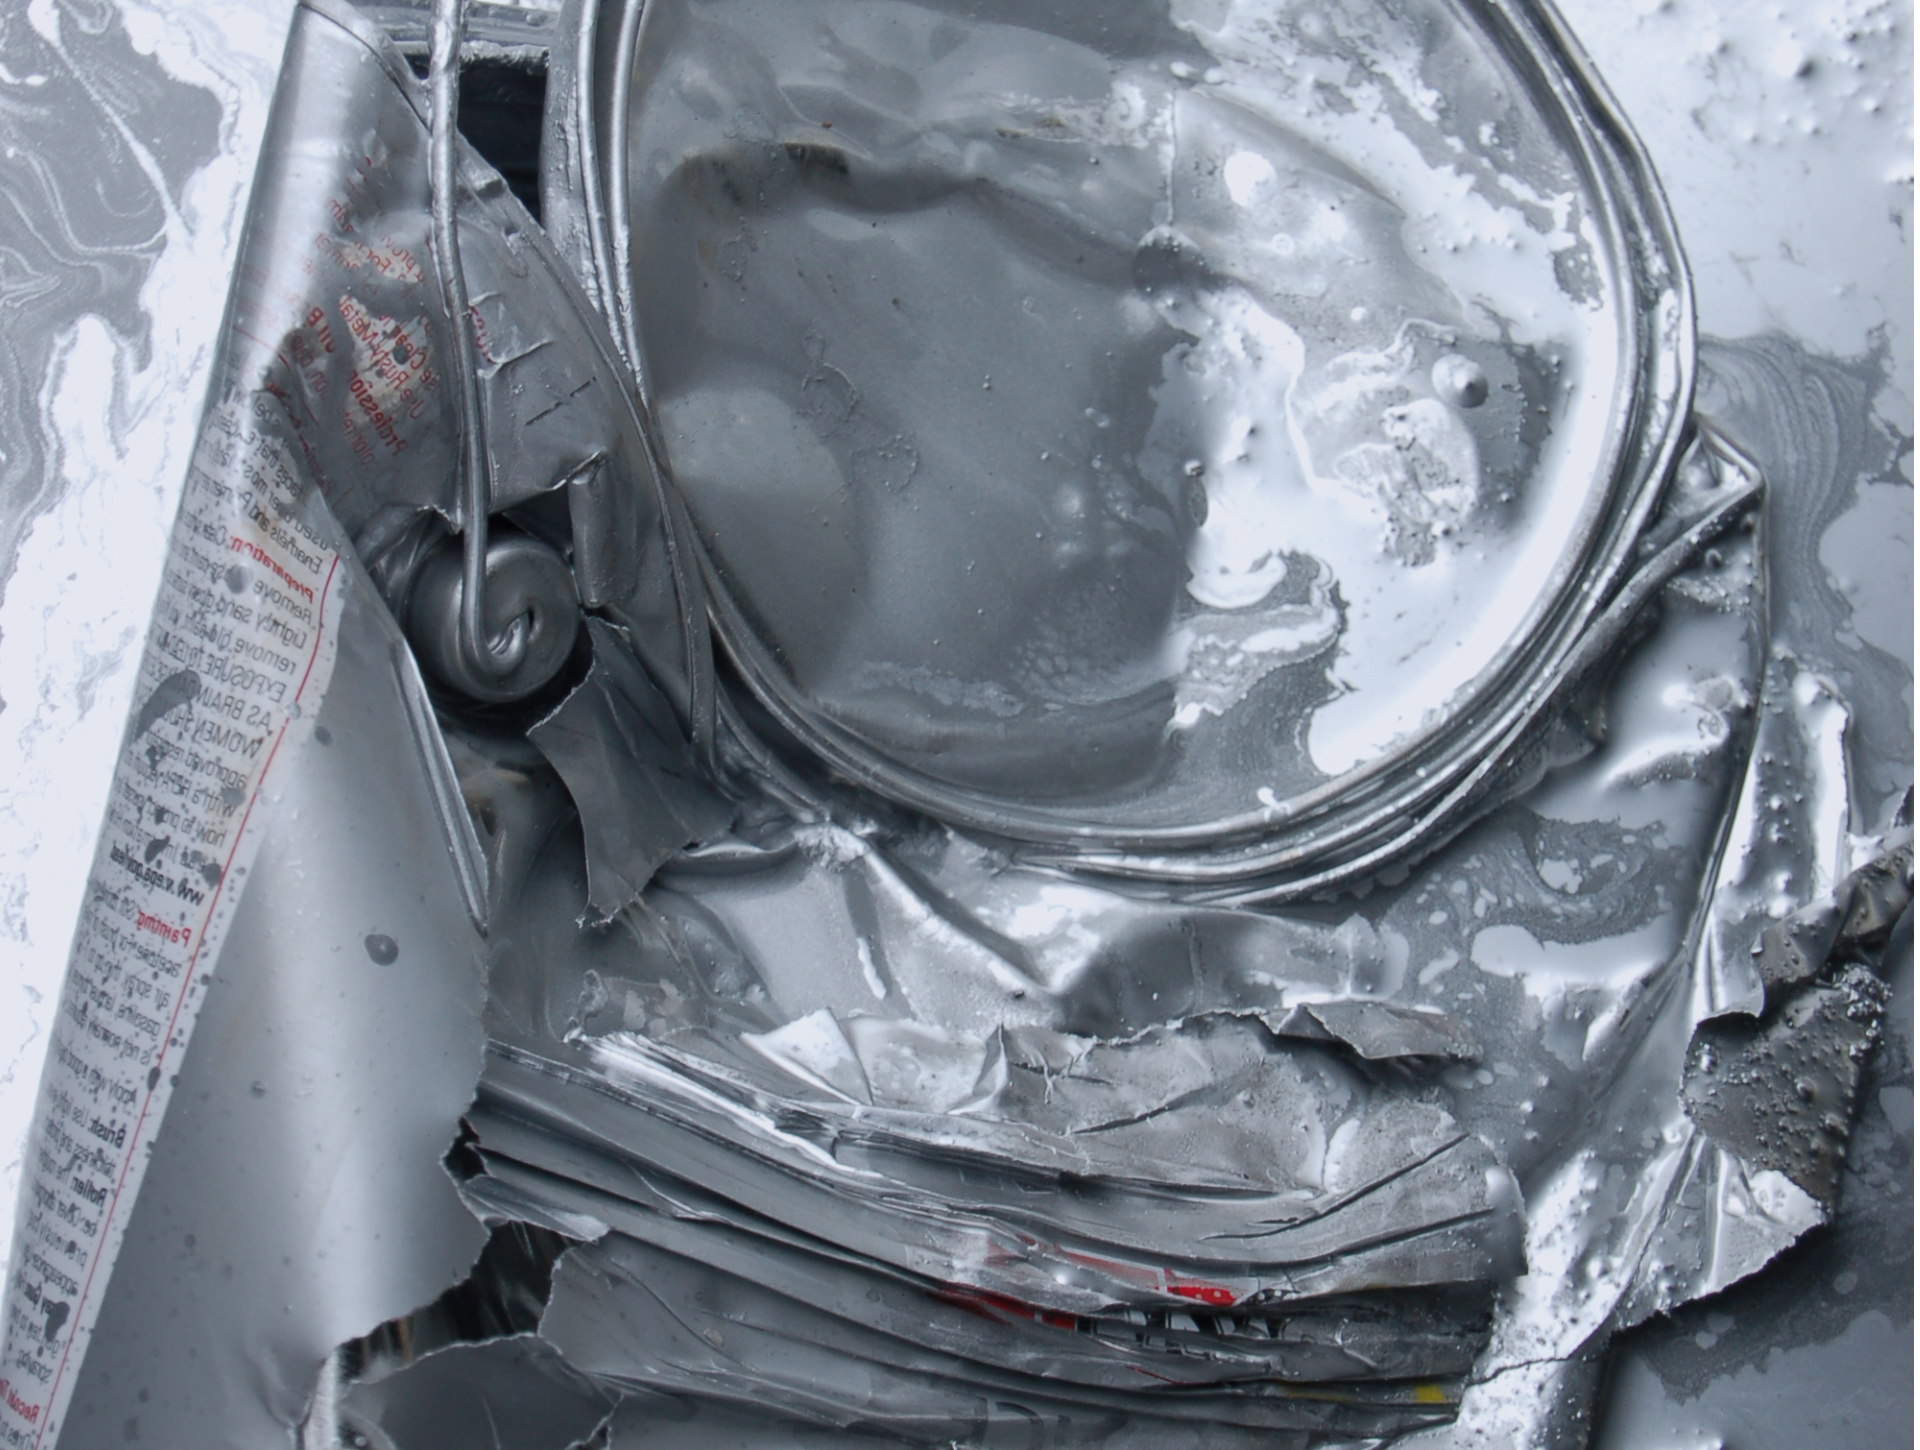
x,y
1041,727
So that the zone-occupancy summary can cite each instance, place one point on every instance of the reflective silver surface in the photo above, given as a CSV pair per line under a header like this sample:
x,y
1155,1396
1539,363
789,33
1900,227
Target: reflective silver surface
x,y
297,1197
1212,558
1555,937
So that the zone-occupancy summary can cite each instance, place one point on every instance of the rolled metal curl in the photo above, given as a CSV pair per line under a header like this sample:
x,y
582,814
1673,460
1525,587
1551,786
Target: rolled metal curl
x,y
494,620
532,617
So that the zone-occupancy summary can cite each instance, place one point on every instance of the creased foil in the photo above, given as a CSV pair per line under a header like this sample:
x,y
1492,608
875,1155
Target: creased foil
x,y
805,1109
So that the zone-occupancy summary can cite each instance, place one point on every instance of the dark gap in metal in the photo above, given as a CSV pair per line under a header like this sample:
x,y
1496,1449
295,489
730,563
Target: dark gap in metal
x,y
502,100
504,1295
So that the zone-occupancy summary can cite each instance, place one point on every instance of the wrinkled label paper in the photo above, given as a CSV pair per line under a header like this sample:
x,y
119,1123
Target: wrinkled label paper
x,y
237,658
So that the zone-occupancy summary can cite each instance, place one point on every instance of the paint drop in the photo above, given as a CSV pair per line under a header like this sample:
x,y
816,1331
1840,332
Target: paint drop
x,y
1460,381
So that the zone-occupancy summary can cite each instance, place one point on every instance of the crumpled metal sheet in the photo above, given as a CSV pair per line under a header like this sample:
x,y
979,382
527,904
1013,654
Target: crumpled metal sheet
x,y
616,744
838,1064
622,1308
1076,1249
361,371
1781,1091
666,1422
1782,1097
930,926
1414,1335
707,1003
1738,1166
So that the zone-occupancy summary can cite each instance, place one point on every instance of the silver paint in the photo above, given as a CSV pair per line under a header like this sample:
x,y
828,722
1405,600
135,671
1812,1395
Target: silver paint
x,y
1568,972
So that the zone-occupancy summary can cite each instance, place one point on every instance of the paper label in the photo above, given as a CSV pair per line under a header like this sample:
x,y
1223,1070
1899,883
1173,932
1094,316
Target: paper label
x,y
237,659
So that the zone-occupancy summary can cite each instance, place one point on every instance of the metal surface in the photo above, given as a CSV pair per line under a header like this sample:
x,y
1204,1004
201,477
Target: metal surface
x,y
841,638
809,1002
1784,139
297,1198
494,655
527,596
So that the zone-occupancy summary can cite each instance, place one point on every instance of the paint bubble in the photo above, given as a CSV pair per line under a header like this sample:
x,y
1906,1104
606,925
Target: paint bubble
x,y
1460,381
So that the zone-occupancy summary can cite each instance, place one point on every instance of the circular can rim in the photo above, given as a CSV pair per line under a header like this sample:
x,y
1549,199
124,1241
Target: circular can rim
x,y
1320,837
